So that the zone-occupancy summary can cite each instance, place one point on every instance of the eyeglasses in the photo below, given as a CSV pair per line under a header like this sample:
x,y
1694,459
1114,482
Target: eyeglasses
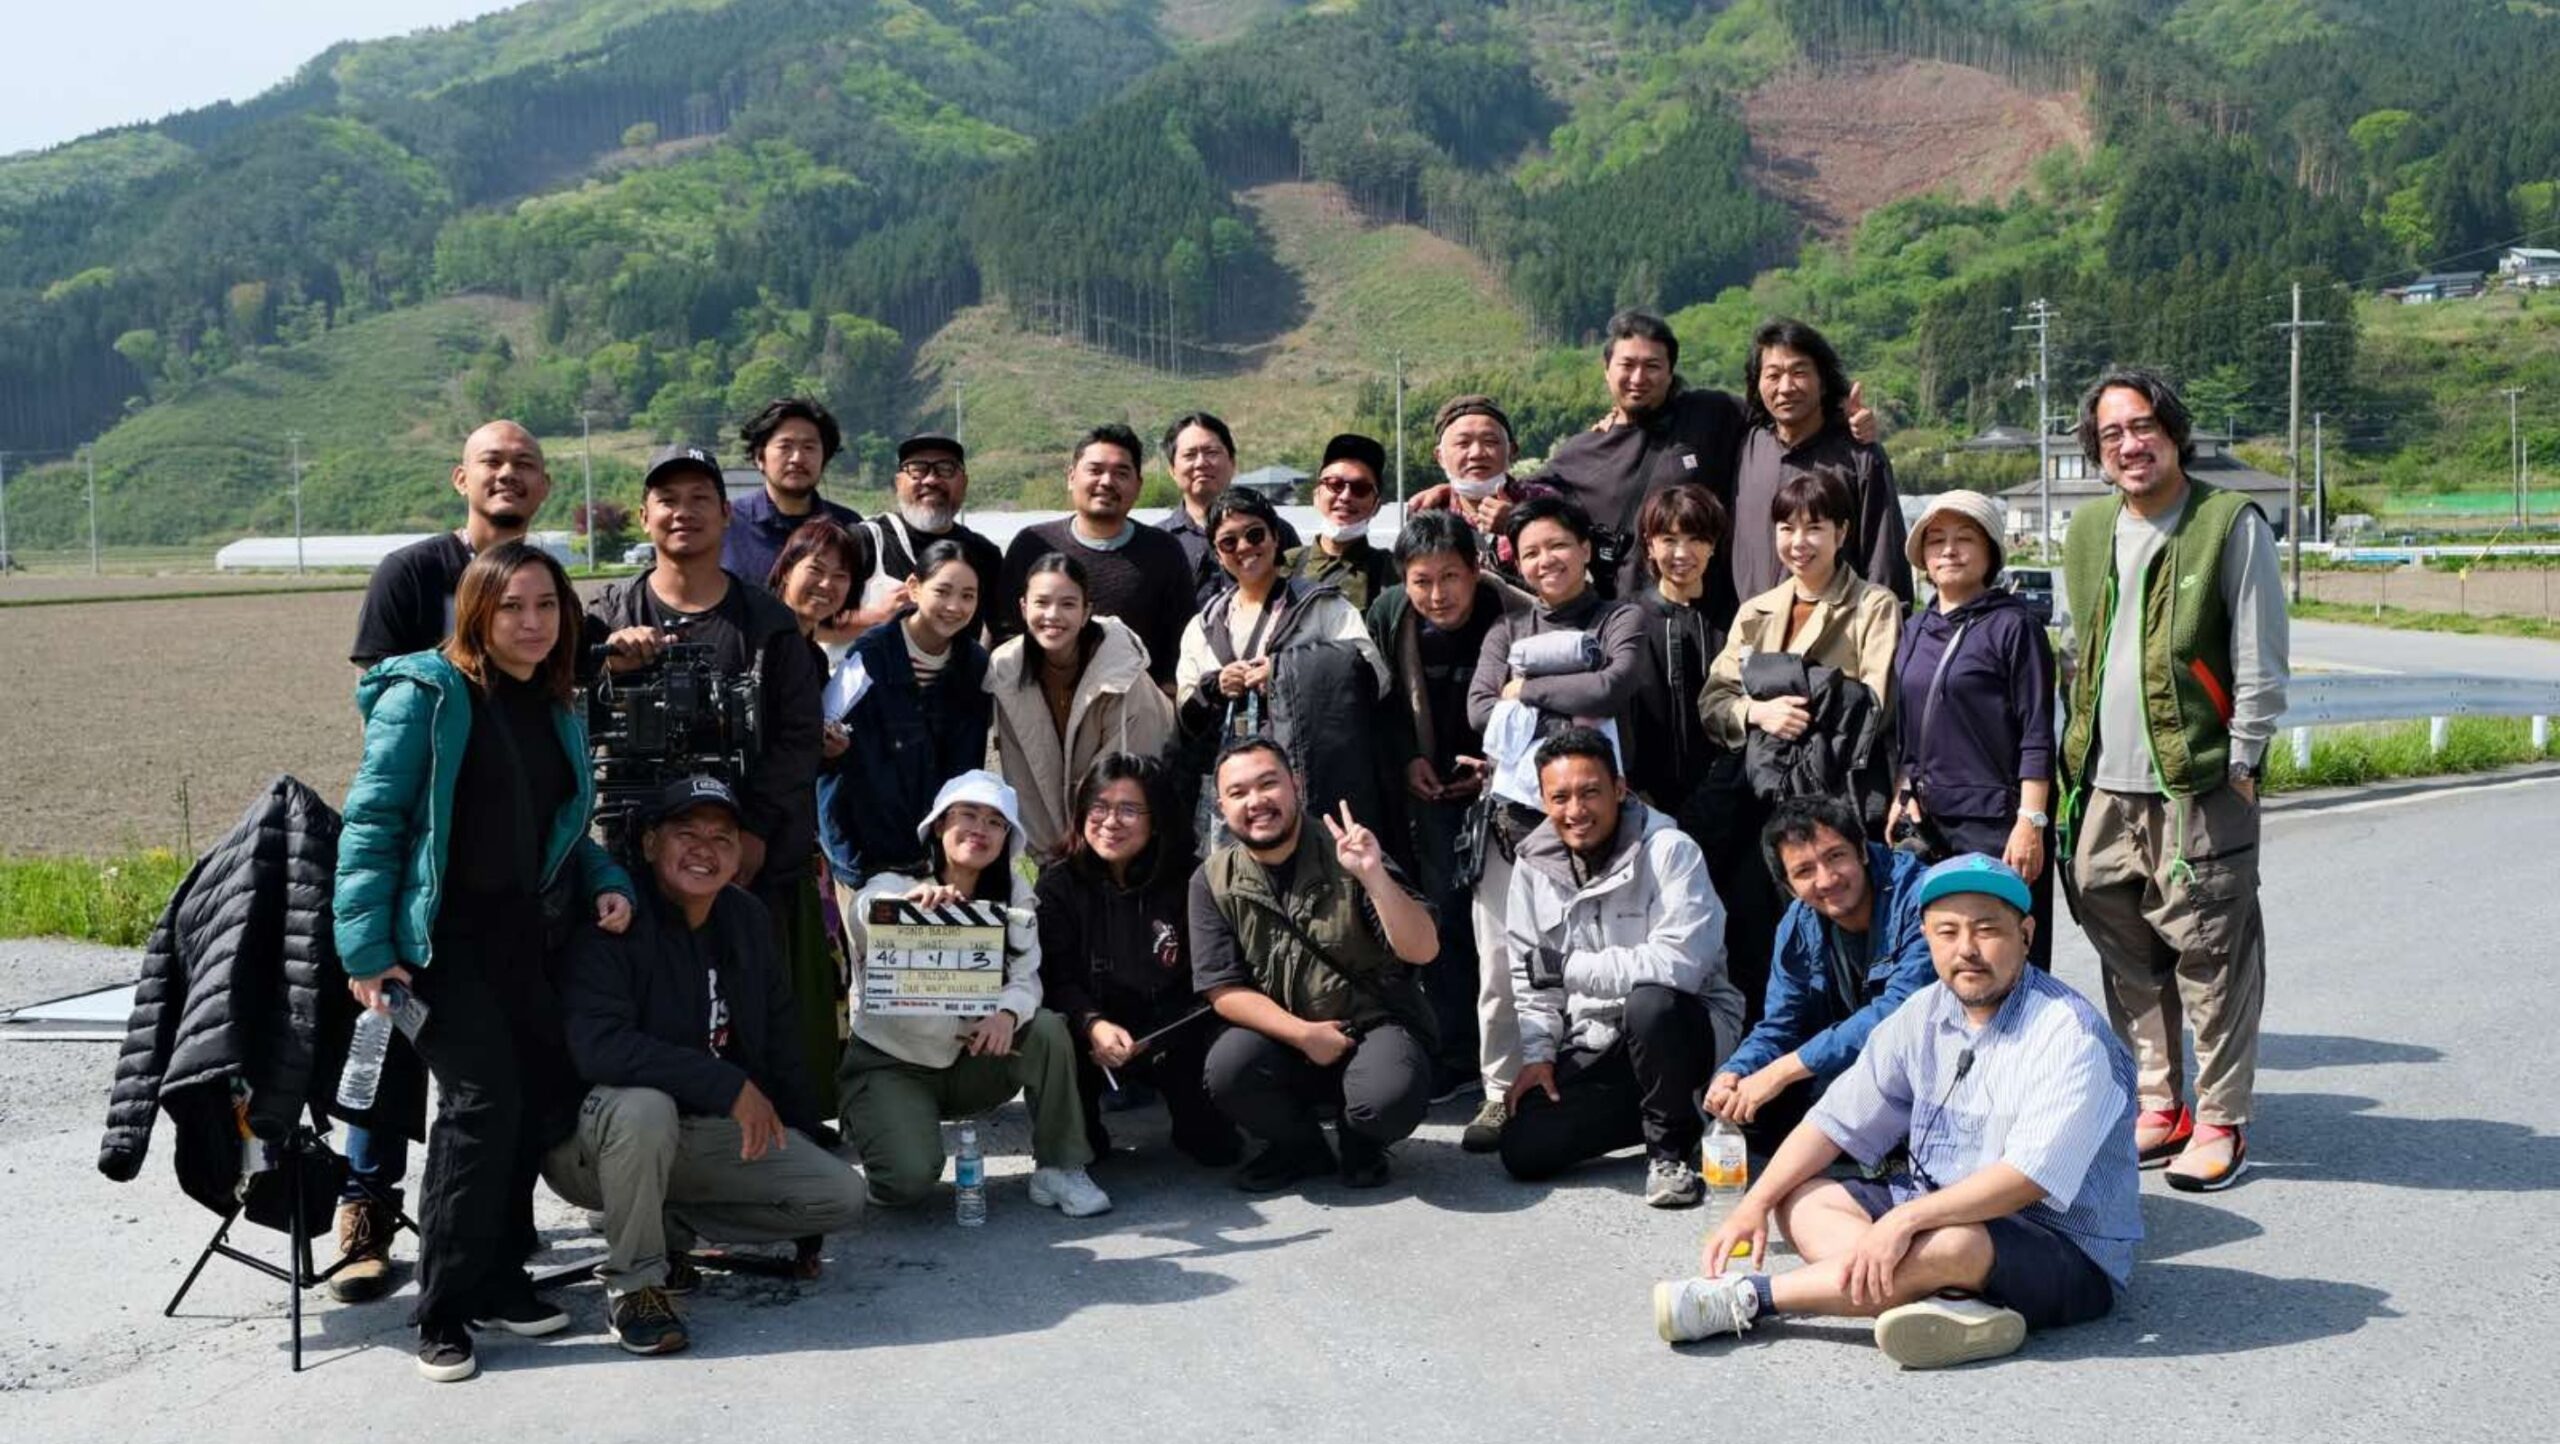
x,y
943,470
1244,541
1128,812
2141,428
1356,488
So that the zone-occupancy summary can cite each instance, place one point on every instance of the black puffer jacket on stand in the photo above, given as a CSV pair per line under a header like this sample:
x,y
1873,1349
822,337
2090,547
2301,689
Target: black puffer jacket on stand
x,y
231,997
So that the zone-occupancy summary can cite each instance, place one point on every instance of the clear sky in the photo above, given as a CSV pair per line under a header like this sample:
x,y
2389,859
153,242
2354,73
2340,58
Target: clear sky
x,y
77,67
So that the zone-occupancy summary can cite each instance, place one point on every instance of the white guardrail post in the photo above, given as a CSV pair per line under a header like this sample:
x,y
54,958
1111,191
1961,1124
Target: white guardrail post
x,y
2332,700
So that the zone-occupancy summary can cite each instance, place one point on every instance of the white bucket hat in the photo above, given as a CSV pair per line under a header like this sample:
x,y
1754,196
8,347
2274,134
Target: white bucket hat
x,y
980,786
1971,506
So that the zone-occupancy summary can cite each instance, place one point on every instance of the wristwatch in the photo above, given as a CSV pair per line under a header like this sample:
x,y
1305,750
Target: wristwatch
x,y
2245,771
2042,820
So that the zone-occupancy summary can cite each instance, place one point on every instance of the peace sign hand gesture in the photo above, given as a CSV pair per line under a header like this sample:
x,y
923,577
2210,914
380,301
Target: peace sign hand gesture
x,y
1358,848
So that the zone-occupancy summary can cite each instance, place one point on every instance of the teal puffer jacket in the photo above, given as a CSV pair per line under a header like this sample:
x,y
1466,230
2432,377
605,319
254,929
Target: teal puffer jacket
x,y
391,854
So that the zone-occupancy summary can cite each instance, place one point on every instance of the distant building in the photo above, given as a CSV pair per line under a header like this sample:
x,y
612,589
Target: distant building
x,y
2532,267
2443,286
2075,481
1277,485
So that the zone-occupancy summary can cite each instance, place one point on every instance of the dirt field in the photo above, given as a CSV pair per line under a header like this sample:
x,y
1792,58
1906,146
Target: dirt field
x,y
1841,143
106,708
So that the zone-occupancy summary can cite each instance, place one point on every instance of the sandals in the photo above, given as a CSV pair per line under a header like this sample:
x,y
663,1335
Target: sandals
x,y
2202,1177
2161,1134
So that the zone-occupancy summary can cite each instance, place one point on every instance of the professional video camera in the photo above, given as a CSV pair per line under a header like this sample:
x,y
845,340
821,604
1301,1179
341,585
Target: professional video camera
x,y
680,717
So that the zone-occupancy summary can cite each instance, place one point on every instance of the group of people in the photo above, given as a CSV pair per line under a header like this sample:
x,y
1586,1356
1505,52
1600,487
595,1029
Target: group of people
x,y
1628,789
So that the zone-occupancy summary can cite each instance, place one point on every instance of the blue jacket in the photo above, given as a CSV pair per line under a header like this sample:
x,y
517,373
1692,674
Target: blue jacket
x,y
907,742
1806,1016
391,854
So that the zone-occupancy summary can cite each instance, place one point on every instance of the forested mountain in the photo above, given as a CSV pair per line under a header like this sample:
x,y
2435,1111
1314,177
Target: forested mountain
x,y
686,206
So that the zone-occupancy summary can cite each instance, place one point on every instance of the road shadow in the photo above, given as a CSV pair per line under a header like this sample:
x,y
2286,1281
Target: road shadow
x,y
2338,1138
2187,1310
2297,1052
2172,1226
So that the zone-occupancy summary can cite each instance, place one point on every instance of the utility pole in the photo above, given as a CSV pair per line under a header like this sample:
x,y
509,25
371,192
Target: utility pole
x,y
2319,481
2293,437
2042,325
295,437
90,455
958,431
2515,452
1399,436
6,561
587,465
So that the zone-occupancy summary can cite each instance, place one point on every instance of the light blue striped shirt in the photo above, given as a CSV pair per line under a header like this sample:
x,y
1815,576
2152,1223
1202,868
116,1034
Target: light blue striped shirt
x,y
2050,1093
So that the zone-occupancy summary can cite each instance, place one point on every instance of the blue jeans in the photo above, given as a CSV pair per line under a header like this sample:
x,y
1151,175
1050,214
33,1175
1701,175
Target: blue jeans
x,y
379,1158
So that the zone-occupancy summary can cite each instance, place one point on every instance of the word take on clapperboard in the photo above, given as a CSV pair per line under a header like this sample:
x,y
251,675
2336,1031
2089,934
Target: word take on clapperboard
x,y
934,960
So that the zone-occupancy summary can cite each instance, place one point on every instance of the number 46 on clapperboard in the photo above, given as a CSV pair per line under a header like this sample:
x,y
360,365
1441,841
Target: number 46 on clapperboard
x,y
944,960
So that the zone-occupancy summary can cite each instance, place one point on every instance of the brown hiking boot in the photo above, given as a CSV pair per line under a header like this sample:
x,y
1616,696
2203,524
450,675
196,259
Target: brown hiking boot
x,y
364,1246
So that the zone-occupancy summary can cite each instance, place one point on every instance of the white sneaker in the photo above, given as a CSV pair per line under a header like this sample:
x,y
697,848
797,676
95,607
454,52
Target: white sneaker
x,y
1933,1333
1070,1191
1695,1308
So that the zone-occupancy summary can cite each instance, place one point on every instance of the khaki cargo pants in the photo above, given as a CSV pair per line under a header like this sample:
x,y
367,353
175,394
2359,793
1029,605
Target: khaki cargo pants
x,y
2167,890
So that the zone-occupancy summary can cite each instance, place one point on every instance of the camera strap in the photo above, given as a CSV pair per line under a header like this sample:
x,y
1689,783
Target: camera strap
x,y
1929,706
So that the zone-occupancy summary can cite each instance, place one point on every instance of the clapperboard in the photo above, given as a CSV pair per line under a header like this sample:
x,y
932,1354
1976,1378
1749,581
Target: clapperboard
x,y
945,960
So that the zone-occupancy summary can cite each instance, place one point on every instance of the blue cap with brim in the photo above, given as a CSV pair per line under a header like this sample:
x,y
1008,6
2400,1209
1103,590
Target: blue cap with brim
x,y
1973,872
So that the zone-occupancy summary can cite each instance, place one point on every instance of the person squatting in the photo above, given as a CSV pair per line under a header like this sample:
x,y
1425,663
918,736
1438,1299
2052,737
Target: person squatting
x,y
1627,791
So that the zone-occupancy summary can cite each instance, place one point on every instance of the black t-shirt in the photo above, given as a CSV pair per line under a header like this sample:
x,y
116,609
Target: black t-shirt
x,y
513,782
408,604
1448,668
1217,957
1849,954
723,626
1146,583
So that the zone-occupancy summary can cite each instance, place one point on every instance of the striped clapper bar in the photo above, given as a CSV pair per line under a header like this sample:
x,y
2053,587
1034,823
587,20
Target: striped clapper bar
x,y
945,960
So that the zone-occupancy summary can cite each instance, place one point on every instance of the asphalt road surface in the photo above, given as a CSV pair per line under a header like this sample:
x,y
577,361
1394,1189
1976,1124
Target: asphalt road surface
x,y
2390,1269
2337,647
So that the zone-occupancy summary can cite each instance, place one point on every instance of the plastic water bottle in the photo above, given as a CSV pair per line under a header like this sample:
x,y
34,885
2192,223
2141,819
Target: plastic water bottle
x,y
362,1075
1725,1168
969,1172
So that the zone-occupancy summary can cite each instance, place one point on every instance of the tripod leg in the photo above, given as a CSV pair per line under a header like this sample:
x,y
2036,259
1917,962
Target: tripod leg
x,y
300,1241
210,1248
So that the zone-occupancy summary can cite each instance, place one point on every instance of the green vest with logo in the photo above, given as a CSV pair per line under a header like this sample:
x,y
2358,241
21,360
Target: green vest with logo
x,y
2186,638
1326,902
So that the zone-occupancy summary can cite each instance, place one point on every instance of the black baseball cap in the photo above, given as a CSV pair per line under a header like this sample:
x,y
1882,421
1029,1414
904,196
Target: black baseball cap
x,y
687,793
1352,446
674,461
932,441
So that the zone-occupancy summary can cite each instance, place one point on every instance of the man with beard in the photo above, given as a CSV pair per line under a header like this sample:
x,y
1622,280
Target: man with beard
x,y
1136,573
1346,502
933,484
2015,1103
1305,942
790,441
408,607
1201,452
1798,411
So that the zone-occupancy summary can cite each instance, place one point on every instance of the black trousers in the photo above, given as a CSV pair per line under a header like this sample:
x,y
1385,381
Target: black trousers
x,y
1173,1066
493,1044
1450,982
1279,1095
1643,1088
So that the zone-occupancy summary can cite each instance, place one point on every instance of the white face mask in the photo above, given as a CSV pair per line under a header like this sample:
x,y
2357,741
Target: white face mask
x,y
1353,532
1476,490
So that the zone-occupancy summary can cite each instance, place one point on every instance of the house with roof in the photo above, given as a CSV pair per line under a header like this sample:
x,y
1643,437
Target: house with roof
x,y
2444,286
2531,267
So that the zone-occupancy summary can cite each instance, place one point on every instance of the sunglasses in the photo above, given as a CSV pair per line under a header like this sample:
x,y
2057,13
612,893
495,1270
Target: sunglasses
x,y
1244,541
1357,488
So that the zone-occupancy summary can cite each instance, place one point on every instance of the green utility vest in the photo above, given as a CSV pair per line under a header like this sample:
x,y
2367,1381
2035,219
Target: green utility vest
x,y
1325,901
2186,638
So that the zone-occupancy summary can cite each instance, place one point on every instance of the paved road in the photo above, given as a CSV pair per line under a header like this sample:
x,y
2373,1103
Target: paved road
x,y
2335,647
2391,1270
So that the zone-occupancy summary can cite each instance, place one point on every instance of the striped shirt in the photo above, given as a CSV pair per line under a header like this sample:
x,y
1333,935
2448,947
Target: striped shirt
x,y
2049,1092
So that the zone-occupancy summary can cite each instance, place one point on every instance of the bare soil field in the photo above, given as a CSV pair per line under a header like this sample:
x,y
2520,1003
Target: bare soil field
x,y
50,587
106,708
1837,144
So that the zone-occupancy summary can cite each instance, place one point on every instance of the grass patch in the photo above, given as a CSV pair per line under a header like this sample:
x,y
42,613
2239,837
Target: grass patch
x,y
2405,620
111,900
2384,752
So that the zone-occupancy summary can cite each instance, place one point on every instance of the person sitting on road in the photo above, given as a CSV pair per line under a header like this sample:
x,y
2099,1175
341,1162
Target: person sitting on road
x,y
1305,942
1616,943
1849,951
699,1118
904,1074
2016,1103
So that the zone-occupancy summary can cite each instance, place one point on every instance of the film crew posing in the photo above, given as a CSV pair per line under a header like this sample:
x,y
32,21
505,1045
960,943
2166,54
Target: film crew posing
x,y
905,1073
1616,943
1115,953
468,811
1070,689
1975,673
913,690
699,1120
1593,665
1305,941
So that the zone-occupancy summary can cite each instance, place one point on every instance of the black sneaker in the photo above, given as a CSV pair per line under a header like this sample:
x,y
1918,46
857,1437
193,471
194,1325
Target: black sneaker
x,y
644,1321
1483,1133
444,1353
1364,1164
1280,1165
683,1275
526,1315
